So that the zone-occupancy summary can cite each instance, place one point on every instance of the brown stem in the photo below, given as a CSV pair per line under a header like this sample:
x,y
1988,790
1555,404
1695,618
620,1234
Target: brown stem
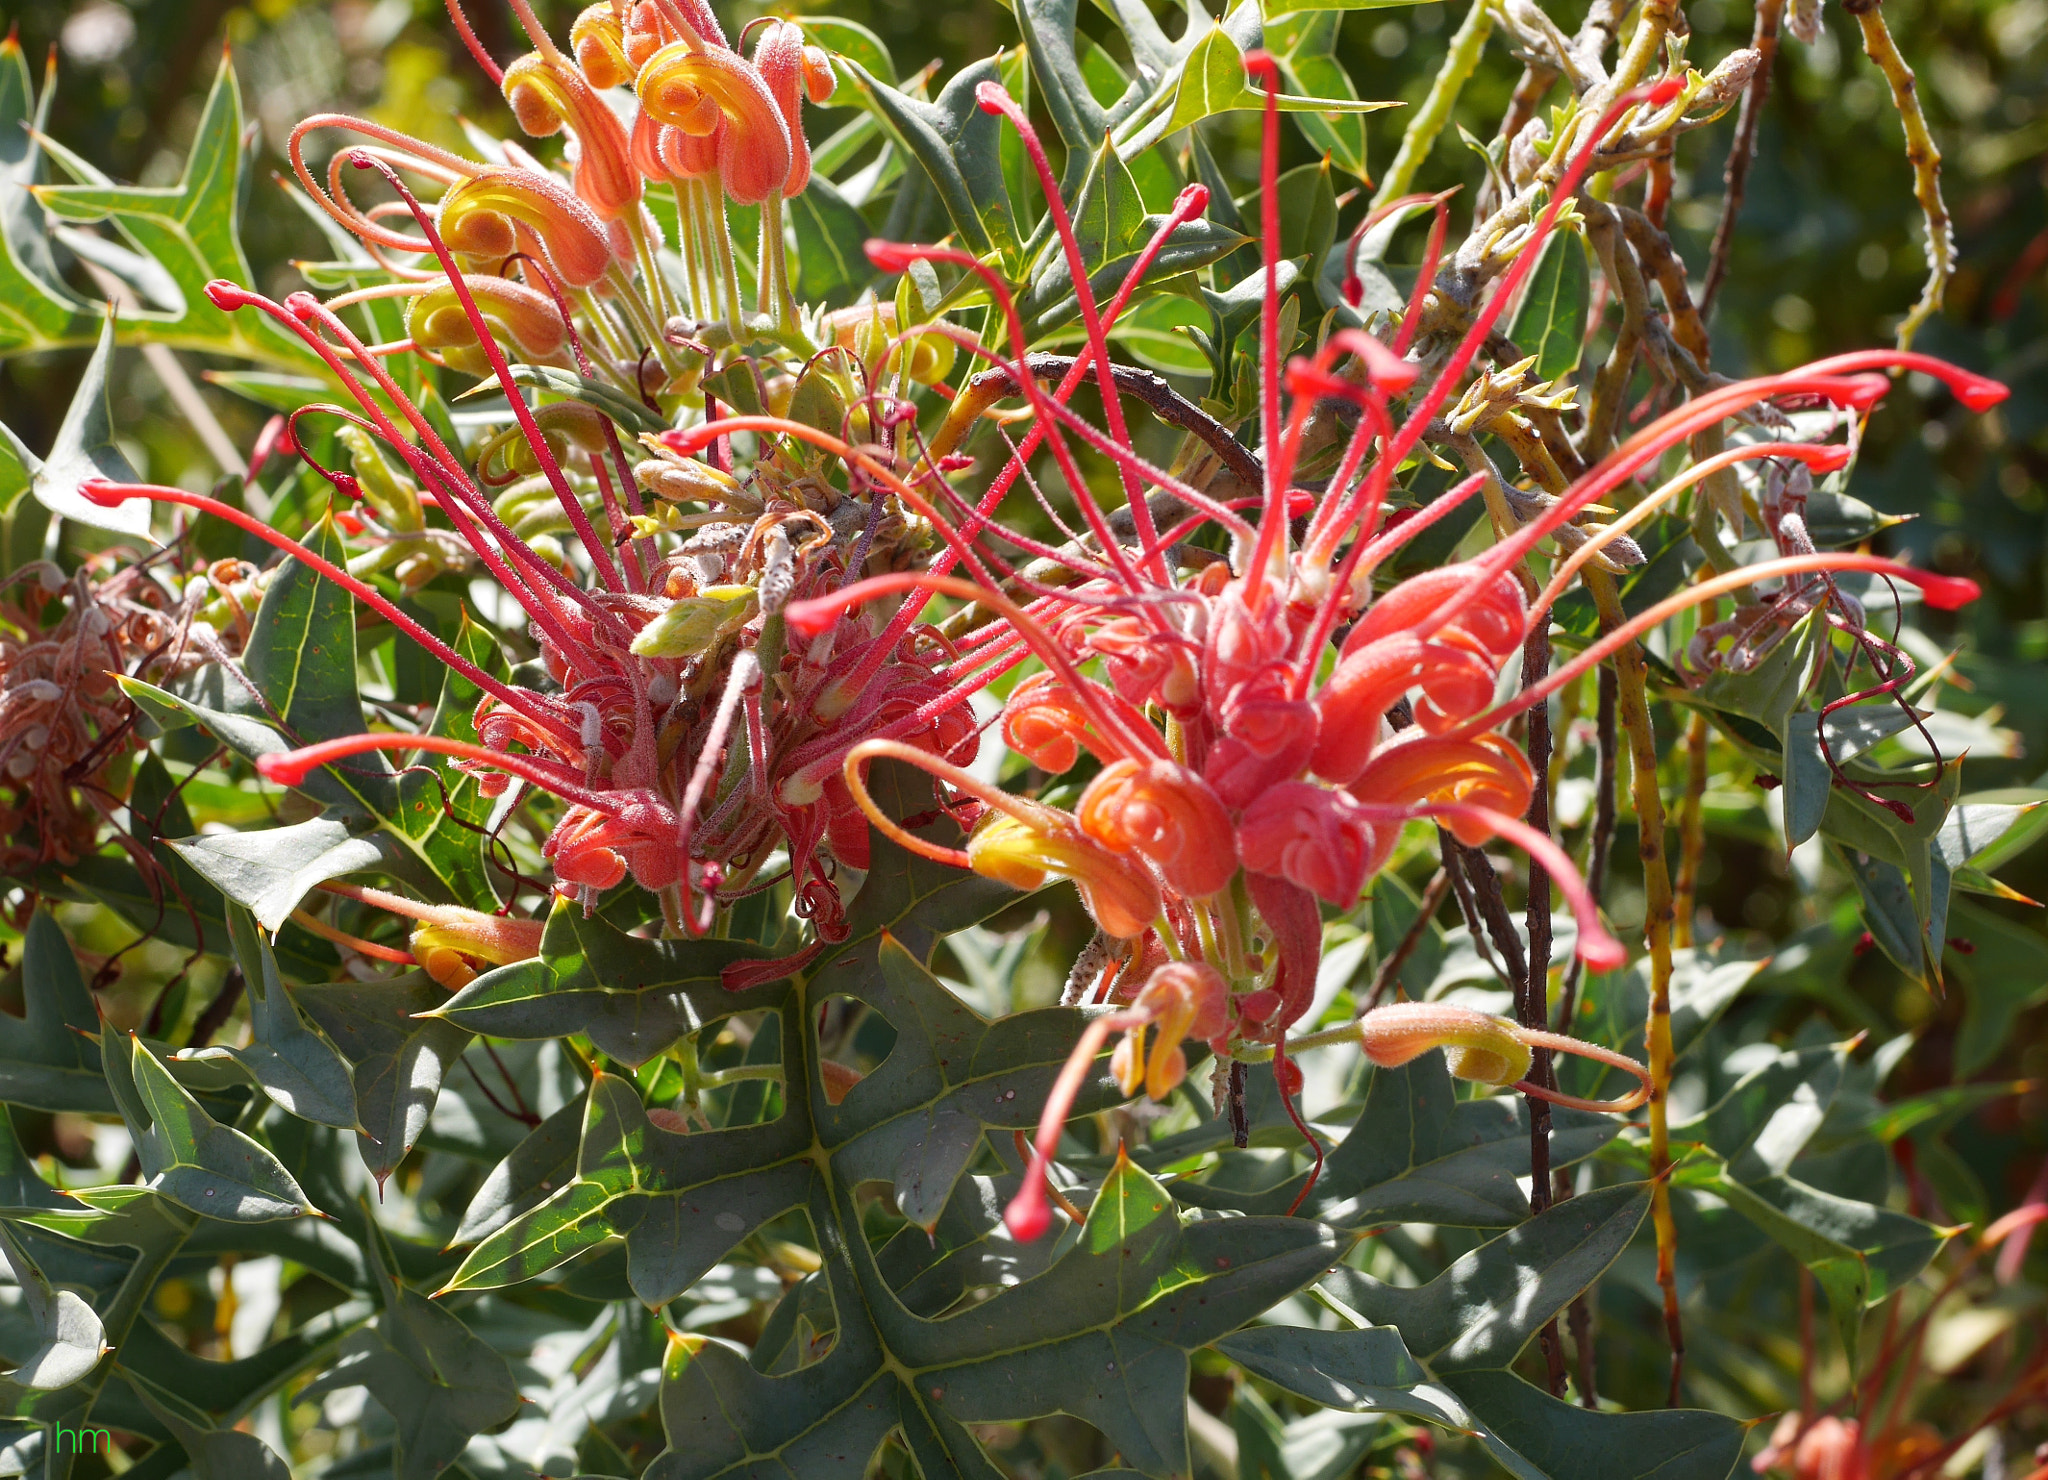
x,y
1692,832
1763,38
1390,968
1532,1004
1607,765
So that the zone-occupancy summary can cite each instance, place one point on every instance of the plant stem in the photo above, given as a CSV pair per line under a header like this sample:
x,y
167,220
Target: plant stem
x,y
1633,711
1435,112
1692,832
1742,153
1921,154
1532,1001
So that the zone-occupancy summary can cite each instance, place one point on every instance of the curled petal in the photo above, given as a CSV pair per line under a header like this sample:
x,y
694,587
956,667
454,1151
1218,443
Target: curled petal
x,y
599,42
547,94
1119,895
694,90
779,55
1485,771
1314,837
1166,813
1494,616
513,311
480,217
1366,683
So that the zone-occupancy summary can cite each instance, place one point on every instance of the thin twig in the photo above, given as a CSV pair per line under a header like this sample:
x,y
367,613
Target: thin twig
x,y
1921,154
1428,120
1763,39
1390,966
1607,766
1532,1003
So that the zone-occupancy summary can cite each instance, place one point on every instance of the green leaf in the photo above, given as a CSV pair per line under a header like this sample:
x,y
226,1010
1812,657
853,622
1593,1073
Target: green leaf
x,y
633,997
1860,1253
1551,323
270,870
188,1156
23,518
290,1062
601,395
36,312
84,448
1210,80
1487,1306
440,1381
1304,42
397,1057
301,657
2004,972
956,145
538,1167
831,267
1419,1154
47,1059
70,1340
1765,1120
192,231
851,39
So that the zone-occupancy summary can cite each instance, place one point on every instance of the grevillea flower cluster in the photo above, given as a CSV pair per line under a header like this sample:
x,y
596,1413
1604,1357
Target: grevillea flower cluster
x,y
1262,726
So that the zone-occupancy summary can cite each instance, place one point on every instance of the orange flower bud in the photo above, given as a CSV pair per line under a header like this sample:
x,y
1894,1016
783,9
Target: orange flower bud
x,y
1045,723
779,56
546,95
481,217
449,945
1314,837
525,316
693,90
1122,897
1477,1045
1164,812
1485,771
820,81
599,42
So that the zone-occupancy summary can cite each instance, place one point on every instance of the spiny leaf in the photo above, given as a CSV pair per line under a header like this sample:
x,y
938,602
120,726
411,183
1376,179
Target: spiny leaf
x,y
46,1059
188,1156
269,871
70,1341
290,1062
397,1057
84,449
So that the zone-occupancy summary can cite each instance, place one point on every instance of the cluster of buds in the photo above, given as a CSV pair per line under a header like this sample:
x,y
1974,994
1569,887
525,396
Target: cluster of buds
x,y
1249,775
692,739
66,729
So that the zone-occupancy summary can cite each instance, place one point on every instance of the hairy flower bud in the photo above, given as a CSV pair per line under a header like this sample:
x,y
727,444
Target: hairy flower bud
x,y
547,94
1164,812
481,217
1477,1045
525,316
695,91
599,42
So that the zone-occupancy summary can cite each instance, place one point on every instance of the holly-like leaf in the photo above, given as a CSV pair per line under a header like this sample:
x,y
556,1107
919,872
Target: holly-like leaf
x,y
1419,1154
633,997
70,1340
36,312
290,1062
188,1156
84,449
268,871
440,1381
191,230
1765,1120
1304,42
955,144
397,1057
47,1059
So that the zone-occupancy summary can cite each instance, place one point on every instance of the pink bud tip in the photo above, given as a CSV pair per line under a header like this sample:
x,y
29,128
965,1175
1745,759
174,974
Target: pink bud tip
x,y
994,98
224,295
1261,66
891,256
1028,1217
1831,458
693,441
809,618
106,494
1603,952
1943,593
1193,199
281,768
1978,392
1665,91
